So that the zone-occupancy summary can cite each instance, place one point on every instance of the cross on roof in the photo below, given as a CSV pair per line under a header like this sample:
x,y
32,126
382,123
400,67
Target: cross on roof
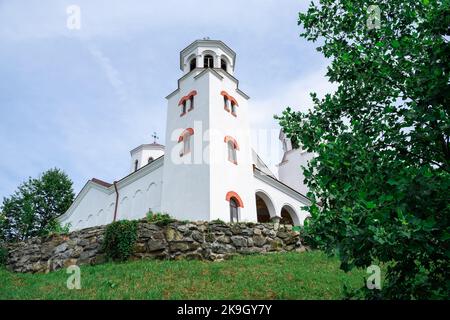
x,y
155,137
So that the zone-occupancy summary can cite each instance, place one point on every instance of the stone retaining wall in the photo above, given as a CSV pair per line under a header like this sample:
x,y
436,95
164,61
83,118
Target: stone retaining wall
x,y
194,240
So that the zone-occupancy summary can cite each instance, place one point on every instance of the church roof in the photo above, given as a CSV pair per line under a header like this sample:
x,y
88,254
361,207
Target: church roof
x,y
151,145
257,161
101,182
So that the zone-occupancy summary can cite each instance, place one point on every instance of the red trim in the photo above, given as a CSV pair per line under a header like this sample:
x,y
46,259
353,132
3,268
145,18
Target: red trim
x,y
234,114
231,98
191,97
232,194
183,99
189,130
187,97
235,144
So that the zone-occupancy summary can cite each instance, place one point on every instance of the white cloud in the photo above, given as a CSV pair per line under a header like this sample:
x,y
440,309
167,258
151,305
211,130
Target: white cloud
x,y
294,94
111,73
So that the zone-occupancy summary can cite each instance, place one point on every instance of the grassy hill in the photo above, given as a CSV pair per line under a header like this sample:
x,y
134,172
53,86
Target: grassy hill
x,y
309,275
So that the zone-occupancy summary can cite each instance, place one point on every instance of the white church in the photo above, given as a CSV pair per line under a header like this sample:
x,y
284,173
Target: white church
x,y
207,170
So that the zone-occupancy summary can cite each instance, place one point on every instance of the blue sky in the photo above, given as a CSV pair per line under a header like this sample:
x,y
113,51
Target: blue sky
x,y
80,100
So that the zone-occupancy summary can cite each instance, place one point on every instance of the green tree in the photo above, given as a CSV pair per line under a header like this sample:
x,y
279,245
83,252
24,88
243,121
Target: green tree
x,y
33,208
381,179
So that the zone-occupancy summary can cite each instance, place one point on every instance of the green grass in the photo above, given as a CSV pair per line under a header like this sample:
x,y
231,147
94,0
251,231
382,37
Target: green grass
x,y
309,275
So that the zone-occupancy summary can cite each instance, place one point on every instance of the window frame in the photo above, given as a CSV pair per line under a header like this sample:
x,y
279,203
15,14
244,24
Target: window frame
x,y
183,108
234,210
191,102
232,154
226,102
185,137
186,143
233,108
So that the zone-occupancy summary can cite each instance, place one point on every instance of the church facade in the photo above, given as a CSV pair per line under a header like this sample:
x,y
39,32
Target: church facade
x,y
207,169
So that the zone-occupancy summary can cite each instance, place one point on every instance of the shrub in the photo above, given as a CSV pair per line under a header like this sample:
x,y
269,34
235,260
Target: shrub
x,y
120,237
306,238
54,227
218,221
158,218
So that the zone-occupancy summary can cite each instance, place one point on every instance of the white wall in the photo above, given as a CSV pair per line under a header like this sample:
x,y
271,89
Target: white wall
x,y
290,171
225,175
138,193
186,179
89,209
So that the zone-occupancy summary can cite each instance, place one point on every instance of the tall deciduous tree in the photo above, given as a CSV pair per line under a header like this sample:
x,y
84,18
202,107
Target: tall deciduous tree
x,y
380,182
33,208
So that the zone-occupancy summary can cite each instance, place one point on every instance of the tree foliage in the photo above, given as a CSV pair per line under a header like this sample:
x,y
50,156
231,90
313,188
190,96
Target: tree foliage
x,y
380,180
33,208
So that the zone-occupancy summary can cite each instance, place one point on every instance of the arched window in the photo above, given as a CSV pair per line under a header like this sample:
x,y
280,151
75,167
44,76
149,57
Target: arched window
x,y
231,152
234,210
208,61
226,102
185,137
232,146
235,204
150,159
230,103
193,64
136,163
187,101
186,143
223,64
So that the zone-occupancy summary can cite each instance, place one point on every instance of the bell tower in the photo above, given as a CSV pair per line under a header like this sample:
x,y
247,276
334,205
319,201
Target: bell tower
x,y
208,168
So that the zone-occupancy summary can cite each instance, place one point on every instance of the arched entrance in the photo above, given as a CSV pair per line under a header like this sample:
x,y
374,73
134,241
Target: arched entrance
x,y
289,216
265,209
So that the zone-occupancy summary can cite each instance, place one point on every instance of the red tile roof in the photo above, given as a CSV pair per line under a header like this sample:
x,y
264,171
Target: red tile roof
x,y
101,182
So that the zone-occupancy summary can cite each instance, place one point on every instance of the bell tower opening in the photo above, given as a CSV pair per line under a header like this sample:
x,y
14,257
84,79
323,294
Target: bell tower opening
x,y
208,61
193,64
223,64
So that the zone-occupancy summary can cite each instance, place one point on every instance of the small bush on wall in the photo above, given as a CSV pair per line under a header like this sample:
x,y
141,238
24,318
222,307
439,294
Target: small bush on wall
x,y
120,237
162,219
218,221
55,228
